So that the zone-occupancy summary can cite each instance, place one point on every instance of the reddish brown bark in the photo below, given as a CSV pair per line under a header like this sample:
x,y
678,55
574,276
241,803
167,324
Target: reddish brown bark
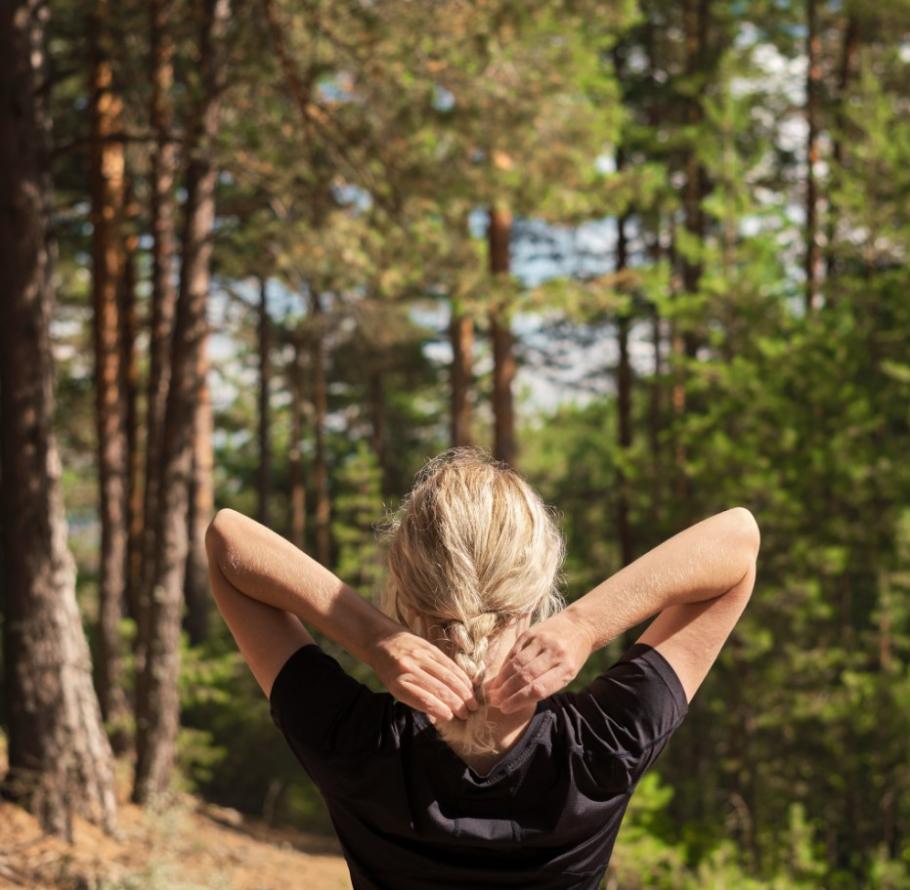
x,y
129,366
158,706
504,445
107,183
60,760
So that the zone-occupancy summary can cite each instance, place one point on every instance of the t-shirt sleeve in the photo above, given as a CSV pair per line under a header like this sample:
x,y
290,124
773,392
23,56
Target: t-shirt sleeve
x,y
629,713
320,708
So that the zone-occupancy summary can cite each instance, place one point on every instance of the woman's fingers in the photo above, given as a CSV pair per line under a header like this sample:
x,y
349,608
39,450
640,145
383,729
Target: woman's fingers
x,y
546,684
450,673
454,701
522,675
417,696
516,661
451,667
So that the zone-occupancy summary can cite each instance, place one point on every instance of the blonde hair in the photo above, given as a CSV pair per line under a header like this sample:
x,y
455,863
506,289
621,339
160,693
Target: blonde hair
x,y
471,549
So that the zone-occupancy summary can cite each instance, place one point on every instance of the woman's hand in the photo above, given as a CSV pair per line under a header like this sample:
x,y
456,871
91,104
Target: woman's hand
x,y
421,675
542,661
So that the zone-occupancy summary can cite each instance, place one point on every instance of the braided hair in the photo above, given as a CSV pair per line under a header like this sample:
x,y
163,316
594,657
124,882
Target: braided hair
x,y
471,549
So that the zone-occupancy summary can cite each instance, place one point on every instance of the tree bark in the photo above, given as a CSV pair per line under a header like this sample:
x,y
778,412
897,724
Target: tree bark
x,y
264,476
696,17
623,392
320,408
297,374
158,705
201,510
60,760
461,336
129,366
107,202
163,296
678,385
813,85
504,445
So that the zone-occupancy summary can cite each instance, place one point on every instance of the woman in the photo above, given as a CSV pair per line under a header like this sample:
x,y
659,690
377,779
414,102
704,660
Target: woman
x,y
477,768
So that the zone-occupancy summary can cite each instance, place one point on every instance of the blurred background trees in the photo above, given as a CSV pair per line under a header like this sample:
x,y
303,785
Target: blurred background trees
x,y
274,255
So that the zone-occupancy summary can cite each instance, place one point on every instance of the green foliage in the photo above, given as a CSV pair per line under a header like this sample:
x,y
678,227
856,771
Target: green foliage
x,y
791,770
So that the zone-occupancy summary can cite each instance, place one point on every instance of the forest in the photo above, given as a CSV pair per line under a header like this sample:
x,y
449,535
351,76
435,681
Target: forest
x,y
274,254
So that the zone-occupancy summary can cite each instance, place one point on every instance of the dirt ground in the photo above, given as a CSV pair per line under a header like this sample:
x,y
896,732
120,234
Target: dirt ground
x,y
191,846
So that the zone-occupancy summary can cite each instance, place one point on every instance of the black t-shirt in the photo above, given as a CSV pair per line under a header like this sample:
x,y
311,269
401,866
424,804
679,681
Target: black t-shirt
x,y
409,813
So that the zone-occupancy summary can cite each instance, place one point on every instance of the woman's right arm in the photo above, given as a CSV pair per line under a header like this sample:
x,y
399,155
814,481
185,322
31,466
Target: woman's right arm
x,y
699,581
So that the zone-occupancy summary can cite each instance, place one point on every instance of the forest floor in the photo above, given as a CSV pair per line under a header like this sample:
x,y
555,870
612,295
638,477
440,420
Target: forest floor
x,y
192,845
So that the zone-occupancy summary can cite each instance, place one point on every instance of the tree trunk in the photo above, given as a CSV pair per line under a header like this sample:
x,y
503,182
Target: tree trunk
x,y
504,445
461,335
696,15
201,509
623,393
813,84
60,760
655,411
164,295
678,387
320,408
158,706
129,366
107,201
264,477
297,374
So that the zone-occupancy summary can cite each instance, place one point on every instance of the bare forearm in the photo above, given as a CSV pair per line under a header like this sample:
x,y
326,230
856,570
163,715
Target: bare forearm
x,y
699,563
266,567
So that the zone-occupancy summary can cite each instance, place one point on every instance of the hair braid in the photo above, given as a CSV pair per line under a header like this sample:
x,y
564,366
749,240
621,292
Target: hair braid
x,y
471,549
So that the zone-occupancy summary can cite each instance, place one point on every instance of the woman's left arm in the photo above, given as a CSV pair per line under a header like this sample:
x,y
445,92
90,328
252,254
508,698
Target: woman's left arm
x,y
264,586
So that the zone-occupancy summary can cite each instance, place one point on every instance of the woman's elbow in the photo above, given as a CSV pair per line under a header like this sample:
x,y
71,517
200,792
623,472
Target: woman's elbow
x,y
217,534
747,530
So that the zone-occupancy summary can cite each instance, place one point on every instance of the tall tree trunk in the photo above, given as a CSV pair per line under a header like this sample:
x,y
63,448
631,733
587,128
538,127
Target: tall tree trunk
x,y
656,393
504,445
107,201
623,392
320,408
201,509
813,85
297,374
158,706
678,386
696,18
264,477
60,760
655,251
164,296
461,336
129,366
